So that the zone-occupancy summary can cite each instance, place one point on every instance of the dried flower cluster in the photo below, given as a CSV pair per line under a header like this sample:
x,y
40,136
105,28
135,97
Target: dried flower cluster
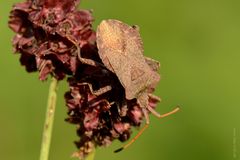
x,y
56,39
97,104
47,34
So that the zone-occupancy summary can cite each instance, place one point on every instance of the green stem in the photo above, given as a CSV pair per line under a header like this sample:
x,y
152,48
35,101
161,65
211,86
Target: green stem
x,y
47,131
91,155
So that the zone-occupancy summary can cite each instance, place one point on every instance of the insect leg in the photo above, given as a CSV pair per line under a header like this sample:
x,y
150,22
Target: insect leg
x,y
164,115
84,60
139,133
102,90
97,92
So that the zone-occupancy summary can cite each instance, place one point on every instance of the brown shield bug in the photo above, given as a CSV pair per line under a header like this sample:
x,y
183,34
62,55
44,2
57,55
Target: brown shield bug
x,y
121,51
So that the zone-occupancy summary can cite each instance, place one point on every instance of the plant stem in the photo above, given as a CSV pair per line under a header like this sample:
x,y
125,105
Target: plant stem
x,y
91,155
47,131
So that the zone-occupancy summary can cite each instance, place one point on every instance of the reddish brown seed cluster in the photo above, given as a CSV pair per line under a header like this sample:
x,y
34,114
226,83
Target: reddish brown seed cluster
x,y
47,32
56,39
97,104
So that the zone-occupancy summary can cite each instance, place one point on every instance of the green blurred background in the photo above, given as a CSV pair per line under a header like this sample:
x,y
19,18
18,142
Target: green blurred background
x,y
197,43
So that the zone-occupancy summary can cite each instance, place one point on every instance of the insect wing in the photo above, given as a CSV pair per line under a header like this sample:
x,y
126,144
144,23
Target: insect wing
x,y
121,50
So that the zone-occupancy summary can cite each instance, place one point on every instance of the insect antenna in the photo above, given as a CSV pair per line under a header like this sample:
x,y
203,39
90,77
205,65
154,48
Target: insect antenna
x,y
147,124
134,139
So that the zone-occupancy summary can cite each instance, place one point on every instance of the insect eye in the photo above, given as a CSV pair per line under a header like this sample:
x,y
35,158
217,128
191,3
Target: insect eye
x,y
136,27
